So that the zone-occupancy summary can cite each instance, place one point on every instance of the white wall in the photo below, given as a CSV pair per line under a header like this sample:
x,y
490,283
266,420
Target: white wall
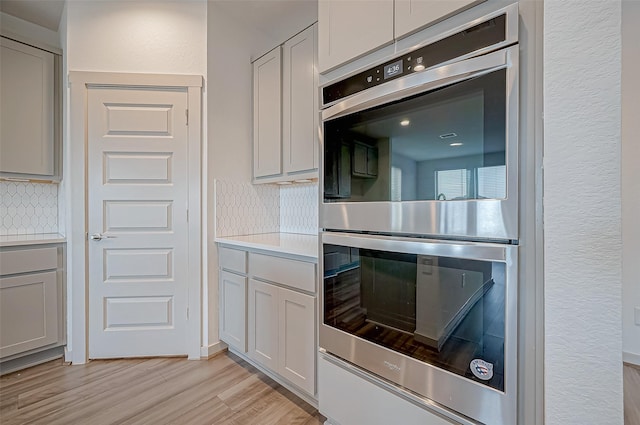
x,y
230,45
582,258
145,36
630,178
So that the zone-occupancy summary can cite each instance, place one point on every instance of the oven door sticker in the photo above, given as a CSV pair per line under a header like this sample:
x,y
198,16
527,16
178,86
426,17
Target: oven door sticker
x,y
481,369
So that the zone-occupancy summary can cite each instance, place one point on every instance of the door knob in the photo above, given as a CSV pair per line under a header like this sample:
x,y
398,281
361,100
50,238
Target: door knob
x,y
99,237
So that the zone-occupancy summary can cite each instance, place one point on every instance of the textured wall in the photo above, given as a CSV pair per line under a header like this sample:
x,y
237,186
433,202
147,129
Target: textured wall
x,y
630,178
582,258
28,208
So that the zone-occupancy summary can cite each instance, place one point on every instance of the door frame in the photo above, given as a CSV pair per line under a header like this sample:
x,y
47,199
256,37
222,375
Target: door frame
x,y
75,198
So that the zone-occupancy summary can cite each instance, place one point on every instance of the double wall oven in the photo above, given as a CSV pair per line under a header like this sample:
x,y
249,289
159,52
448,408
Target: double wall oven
x,y
419,213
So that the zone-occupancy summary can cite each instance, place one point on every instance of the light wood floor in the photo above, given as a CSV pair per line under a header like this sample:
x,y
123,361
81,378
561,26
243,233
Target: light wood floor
x,y
631,395
224,390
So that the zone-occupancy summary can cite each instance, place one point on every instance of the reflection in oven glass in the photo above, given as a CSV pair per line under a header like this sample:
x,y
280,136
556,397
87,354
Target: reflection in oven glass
x,y
443,311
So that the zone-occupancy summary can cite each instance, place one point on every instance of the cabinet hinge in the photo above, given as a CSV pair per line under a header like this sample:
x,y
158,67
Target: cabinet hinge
x,y
186,114
187,216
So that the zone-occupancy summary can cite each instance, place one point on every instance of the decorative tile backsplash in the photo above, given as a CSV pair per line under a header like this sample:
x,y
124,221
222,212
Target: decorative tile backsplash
x,y
244,208
28,208
299,208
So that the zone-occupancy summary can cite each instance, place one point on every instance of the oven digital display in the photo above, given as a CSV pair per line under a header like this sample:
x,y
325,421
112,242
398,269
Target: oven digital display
x,y
393,69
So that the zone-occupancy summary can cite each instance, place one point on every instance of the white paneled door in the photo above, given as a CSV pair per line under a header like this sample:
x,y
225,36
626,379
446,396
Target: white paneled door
x,y
137,222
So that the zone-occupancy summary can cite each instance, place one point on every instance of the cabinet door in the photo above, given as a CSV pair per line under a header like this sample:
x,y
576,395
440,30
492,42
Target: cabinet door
x,y
263,323
233,310
297,348
267,134
28,312
27,109
300,102
411,15
348,29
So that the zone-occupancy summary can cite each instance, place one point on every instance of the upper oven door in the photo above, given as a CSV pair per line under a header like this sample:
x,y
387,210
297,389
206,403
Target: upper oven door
x,y
433,153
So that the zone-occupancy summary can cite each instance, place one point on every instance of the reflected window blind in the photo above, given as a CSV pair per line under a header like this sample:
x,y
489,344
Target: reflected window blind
x,y
452,184
492,182
396,184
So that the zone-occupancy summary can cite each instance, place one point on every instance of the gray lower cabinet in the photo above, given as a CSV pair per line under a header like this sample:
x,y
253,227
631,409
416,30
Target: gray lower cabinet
x,y
233,297
31,300
268,311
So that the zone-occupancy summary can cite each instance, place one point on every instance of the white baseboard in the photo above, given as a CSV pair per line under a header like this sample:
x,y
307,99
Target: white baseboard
x,y
212,350
68,355
632,358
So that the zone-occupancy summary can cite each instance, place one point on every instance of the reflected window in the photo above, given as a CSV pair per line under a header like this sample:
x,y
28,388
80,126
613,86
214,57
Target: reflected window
x,y
452,184
491,182
396,184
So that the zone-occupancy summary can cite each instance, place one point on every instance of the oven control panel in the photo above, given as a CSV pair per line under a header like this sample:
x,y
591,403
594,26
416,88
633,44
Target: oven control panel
x,y
485,34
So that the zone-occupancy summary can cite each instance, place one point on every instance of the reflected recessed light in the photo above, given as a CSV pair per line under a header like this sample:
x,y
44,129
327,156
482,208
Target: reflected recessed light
x,y
405,123
456,144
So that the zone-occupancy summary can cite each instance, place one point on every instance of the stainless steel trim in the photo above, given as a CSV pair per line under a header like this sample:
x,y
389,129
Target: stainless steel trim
x,y
417,83
466,250
411,397
511,37
475,219
461,395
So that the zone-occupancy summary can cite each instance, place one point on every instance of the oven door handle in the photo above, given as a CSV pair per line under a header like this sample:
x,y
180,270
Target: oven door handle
x,y
420,82
483,251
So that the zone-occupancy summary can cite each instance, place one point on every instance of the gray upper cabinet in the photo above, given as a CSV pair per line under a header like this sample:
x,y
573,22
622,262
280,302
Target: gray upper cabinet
x,y
412,15
349,29
267,132
285,111
300,104
27,110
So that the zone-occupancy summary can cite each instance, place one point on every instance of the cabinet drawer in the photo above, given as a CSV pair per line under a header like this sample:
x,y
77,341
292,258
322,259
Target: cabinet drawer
x,y
296,274
233,260
28,260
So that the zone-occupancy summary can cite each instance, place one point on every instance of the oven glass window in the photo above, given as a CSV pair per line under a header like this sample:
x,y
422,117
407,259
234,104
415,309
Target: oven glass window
x,y
448,312
447,144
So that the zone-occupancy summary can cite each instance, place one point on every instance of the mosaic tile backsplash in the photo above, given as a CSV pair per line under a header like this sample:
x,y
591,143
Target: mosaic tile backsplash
x,y
299,208
244,208
28,208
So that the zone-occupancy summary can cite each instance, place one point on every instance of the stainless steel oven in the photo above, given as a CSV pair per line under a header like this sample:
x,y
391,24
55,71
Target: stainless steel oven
x,y
419,219
427,142
435,317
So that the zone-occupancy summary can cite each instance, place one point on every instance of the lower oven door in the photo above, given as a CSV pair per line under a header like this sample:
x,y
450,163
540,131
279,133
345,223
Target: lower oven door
x,y
435,317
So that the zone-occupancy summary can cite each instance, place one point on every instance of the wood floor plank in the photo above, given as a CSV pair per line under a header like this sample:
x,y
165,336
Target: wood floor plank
x,y
631,395
224,390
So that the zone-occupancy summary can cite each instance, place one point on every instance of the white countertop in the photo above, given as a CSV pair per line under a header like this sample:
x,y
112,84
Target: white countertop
x,y
37,239
285,243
